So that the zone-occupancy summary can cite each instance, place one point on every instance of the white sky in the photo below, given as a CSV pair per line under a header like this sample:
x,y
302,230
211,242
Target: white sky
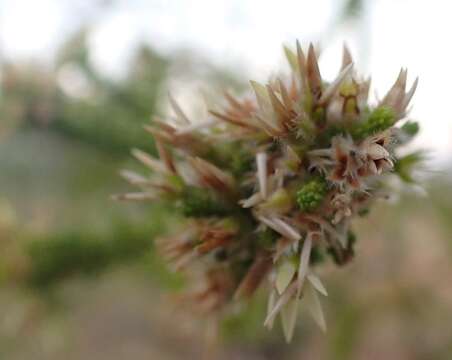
x,y
249,33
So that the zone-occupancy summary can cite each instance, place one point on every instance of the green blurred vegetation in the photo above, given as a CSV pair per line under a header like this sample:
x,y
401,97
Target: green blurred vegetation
x,y
54,257
75,99
66,130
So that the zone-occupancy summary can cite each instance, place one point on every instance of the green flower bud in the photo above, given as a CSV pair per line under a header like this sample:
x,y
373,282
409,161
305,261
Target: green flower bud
x,y
311,194
379,120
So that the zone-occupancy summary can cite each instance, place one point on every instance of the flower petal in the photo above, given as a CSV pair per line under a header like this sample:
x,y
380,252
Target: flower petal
x,y
315,308
317,284
284,275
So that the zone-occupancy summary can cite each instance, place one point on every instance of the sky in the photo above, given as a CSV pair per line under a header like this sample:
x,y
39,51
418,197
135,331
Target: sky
x,y
247,34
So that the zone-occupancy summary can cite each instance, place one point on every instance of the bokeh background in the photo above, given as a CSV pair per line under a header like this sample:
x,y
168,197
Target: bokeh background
x,y
79,278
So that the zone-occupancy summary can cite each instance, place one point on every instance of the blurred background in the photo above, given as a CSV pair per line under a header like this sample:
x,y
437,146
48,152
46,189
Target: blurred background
x,y
79,278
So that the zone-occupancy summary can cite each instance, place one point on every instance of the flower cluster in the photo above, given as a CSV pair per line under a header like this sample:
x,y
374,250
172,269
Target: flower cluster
x,y
270,184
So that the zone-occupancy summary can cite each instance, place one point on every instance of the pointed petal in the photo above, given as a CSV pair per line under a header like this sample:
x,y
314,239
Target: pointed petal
x,y
232,120
397,90
285,95
289,314
261,95
251,201
232,100
278,107
163,134
133,177
403,78
317,284
304,261
281,227
268,128
133,197
313,73
410,93
302,67
334,86
291,58
363,94
346,57
314,307
288,230
284,298
261,161
270,306
149,161
267,115
284,275
180,115
165,155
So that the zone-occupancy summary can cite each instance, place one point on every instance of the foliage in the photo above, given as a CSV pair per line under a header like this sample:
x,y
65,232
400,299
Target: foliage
x,y
56,257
